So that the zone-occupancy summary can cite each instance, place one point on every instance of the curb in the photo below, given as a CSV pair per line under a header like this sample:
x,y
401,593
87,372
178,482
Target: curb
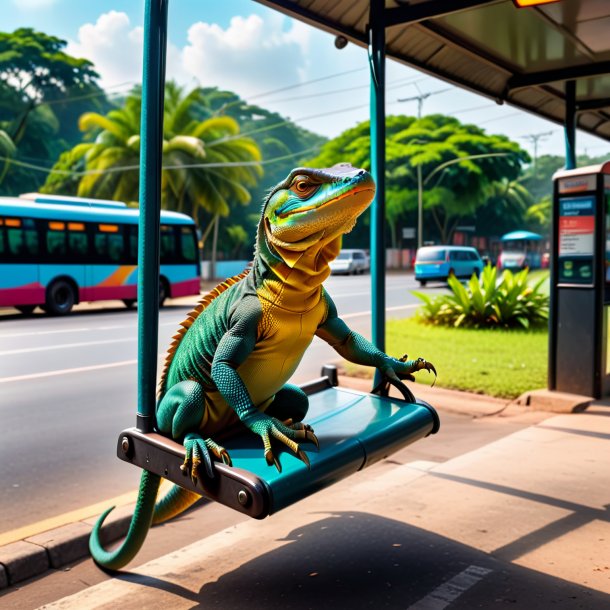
x,y
57,548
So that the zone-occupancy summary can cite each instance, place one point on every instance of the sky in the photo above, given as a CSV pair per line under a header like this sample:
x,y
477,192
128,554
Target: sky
x,y
271,60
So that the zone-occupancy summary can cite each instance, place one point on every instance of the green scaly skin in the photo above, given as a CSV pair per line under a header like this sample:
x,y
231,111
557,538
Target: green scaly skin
x,y
232,358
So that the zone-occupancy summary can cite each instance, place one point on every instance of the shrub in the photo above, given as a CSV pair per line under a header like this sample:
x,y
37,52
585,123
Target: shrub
x,y
485,302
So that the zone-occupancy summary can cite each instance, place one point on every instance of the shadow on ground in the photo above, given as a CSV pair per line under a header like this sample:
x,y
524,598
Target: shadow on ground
x,y
358,560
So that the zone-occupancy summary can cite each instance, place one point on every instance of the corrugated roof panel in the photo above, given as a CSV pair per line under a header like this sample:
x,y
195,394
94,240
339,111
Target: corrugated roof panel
x,y
482,47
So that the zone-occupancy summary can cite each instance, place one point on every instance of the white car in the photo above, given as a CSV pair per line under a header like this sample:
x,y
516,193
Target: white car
x,y
351,262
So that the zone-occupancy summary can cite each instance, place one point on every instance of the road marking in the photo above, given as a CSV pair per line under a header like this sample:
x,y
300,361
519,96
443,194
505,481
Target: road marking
x,y
21,533
449,591
64,331
45,332
368,313
80,369
44,348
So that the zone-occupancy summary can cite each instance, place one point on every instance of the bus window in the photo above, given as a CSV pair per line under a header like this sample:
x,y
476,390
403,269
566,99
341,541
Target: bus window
x,y
30,234
109,243
56,239
133,244
2,247
78,240
188,244
168,245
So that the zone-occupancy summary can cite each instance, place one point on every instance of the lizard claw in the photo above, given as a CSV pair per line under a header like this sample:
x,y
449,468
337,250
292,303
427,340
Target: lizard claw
x,y
303,457
269,428
271,459
197,451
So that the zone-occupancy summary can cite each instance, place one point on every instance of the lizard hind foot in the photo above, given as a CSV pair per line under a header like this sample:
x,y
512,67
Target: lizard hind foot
x,y
199,451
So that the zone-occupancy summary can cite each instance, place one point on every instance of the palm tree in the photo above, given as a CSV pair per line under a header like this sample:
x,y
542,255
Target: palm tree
x,y
207,165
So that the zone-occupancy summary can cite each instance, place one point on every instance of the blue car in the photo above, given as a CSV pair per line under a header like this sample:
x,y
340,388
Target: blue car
x,y
439,262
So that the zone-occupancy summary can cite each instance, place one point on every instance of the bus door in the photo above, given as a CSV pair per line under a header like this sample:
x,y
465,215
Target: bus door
x,y
19,253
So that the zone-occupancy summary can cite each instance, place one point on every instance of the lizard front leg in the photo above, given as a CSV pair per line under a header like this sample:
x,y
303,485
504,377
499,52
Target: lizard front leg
x,y
233,349
355,348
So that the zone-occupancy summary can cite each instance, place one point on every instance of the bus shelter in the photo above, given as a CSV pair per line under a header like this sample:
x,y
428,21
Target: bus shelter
x,y
550,58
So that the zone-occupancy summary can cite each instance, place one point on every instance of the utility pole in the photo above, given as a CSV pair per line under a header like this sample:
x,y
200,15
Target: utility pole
x,y
534,138
421,97
420,205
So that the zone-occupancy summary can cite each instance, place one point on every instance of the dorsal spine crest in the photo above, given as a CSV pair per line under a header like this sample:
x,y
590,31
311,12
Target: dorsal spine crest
x,y
188,322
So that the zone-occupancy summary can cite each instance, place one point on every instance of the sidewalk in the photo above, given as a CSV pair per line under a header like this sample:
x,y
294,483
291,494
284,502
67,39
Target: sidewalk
x,y
522,521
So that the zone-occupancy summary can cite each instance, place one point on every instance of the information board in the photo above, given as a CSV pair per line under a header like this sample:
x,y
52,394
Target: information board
x,y
576,239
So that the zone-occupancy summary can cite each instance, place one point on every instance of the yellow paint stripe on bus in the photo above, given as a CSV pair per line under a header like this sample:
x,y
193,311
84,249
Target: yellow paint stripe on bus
x,y
119,277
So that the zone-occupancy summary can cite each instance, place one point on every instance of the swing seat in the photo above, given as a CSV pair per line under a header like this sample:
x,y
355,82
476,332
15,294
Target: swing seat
x,y
355,429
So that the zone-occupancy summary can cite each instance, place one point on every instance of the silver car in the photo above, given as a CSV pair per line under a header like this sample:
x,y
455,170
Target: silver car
x,y
351,262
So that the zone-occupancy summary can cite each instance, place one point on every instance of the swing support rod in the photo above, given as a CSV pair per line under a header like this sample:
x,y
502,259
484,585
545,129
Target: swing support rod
x,y
153,88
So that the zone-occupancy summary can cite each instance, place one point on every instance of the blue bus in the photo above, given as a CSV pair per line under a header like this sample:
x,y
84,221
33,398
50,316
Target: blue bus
x,y
57,251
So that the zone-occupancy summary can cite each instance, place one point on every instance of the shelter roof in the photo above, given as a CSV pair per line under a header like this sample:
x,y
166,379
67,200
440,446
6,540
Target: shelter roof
x,y
518,56
514,235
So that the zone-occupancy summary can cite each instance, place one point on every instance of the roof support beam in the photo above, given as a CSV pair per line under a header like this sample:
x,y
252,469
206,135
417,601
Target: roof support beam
x,y
519,81
402,15
593,104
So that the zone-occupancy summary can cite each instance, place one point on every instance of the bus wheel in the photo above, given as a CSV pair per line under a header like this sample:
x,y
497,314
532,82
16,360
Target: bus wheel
x,y
26,310
60,298
129,303
163,292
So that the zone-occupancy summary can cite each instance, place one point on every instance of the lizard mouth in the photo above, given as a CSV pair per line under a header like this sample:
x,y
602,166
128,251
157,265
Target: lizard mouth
x,y
294,208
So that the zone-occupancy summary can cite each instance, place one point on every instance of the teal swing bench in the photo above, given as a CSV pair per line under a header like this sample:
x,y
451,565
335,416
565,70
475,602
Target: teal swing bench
x,y
354,429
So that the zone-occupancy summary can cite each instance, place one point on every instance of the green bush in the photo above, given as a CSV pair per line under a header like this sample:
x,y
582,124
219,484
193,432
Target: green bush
x,y
485,302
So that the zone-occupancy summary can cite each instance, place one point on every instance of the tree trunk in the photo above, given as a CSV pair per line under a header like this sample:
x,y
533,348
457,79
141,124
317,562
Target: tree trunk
x,y
216,222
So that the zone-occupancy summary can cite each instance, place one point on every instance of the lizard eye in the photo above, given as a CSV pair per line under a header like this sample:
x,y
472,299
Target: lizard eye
x,y
302,186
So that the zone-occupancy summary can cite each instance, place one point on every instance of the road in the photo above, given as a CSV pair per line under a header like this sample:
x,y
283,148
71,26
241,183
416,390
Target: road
x,y
68,386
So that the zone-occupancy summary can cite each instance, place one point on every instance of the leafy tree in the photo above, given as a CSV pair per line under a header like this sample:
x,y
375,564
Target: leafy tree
x,y
538,215
456,164
43,90
207,165
282,143
34,67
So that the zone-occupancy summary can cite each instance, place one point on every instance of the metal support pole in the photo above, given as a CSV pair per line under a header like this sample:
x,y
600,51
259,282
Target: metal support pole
x,y
153,86
420,209
376,51
570,124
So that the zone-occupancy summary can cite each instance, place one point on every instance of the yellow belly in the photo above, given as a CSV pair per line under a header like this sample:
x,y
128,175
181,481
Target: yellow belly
x,y
283,338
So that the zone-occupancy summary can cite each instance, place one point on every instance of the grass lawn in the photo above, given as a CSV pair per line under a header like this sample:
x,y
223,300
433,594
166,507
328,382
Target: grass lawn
x,y
495,362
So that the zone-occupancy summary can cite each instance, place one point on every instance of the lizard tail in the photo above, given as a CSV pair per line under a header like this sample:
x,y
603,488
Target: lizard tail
x,y
140,524
174,502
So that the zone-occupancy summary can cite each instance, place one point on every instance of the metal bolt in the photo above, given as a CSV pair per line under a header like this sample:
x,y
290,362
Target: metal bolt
x,y
243,497
125,445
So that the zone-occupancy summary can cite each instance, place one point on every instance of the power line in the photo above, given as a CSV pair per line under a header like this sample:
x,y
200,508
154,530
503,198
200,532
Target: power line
x,y
534,138
113,170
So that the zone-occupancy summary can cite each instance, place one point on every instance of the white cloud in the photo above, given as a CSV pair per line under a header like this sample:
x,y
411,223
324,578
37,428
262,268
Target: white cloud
x,y
115,48
250,56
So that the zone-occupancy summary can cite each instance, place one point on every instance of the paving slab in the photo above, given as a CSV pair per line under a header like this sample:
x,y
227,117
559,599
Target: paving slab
x,y
521,522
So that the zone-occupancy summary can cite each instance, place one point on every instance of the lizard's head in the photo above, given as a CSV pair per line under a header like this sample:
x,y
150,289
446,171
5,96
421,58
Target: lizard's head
x,y
313,208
